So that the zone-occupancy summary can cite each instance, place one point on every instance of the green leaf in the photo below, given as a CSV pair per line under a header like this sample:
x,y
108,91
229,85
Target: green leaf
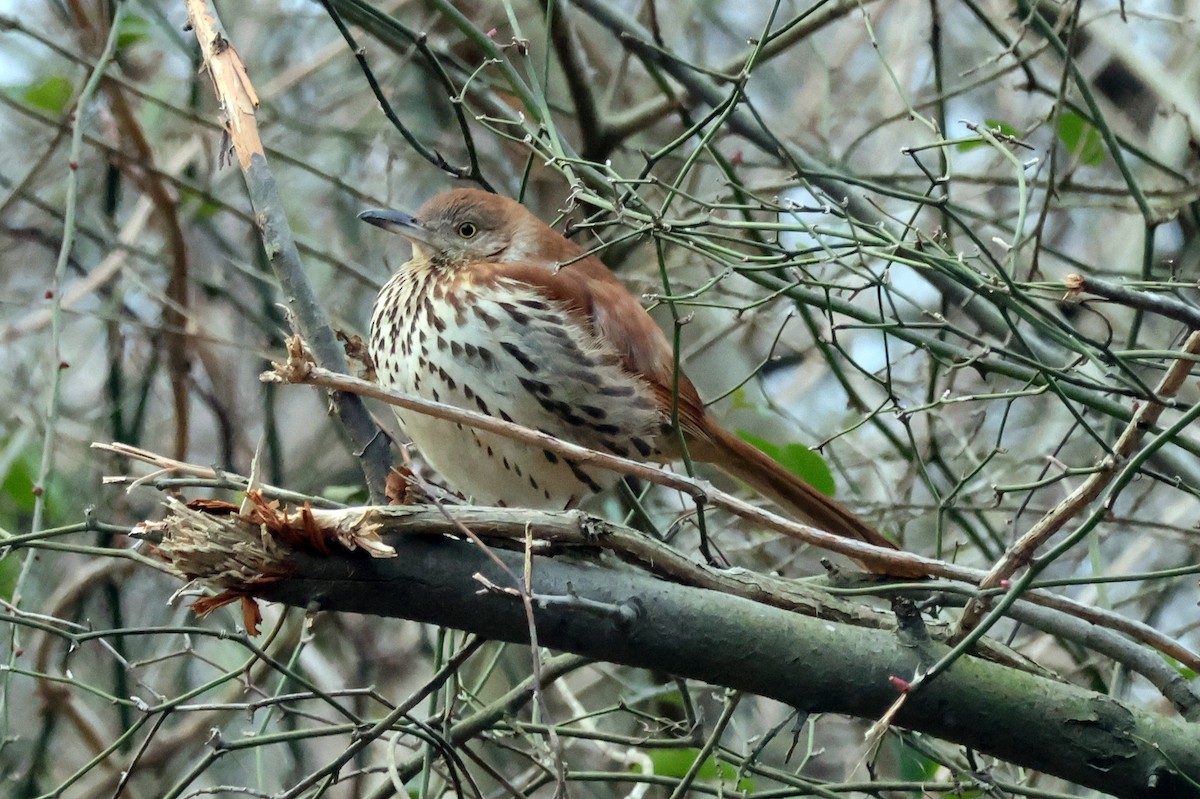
x,y
134,29
671,698
347,494
17,499
739,400
914,766
10,569
1184,672
1081,139
798,459
51,94
16,488
994,126
677,763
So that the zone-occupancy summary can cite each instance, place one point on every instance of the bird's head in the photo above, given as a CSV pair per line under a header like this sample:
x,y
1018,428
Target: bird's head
x,y
466,226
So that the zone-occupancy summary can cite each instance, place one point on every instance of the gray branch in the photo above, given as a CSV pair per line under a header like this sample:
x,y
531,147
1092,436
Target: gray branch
x,y
813,664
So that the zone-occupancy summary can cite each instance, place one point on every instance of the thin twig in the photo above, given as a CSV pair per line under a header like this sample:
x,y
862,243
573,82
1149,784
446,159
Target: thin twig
x,y
1020,553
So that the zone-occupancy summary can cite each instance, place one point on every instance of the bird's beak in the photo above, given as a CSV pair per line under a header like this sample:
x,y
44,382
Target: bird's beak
x,y
399,222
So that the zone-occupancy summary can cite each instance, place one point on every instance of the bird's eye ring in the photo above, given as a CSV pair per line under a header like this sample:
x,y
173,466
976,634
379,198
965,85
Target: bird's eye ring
x,y
468,230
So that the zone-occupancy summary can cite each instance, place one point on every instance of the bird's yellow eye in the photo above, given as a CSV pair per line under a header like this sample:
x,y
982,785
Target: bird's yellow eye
x,y
468,230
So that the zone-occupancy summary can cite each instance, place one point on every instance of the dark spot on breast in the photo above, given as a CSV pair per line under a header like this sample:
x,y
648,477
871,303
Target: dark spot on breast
x,y
517,316
488,359
505,416
642,446
507,468
435,395
441,344
431,314
584,477
483,316
588,376
467,392
522,358
455,348
550,456
483,408
563,411
616,391
593,411
447,379
533,483
534,386
615,448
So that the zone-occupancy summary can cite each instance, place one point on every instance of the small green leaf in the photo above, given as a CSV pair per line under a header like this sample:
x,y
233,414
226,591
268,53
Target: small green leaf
x,y
671,698
739,400
347,494
1184,672
994,126
51,94
10,569
1081,139
677,763
914,766
134,29
797,459
16,487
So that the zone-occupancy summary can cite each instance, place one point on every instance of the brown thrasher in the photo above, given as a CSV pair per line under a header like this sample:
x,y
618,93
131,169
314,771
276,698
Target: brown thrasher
x,y
497,312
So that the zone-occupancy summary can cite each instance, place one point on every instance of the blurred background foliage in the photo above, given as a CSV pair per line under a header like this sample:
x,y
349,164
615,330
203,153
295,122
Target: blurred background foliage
x,y
854,217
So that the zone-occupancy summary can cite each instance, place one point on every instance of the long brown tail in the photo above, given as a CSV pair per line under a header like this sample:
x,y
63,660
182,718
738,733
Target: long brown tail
x,y
754,467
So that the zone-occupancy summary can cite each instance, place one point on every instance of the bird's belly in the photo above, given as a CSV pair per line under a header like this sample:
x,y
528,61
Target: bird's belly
x,y
516,357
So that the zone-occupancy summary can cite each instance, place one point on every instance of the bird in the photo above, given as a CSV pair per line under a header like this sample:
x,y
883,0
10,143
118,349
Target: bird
x,y
498,312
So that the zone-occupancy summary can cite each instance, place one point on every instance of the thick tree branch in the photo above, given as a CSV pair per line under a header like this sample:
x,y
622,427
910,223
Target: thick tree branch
x,y
630,617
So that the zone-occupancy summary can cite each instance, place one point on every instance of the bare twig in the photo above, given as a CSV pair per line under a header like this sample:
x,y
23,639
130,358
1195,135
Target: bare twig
x,y
1021,551
1161,304
238,101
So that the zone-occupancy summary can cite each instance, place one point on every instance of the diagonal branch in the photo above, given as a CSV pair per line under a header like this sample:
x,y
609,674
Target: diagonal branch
x,y
238,101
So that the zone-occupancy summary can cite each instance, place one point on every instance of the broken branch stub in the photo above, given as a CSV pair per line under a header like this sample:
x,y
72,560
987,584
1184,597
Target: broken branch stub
x,y
240,554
